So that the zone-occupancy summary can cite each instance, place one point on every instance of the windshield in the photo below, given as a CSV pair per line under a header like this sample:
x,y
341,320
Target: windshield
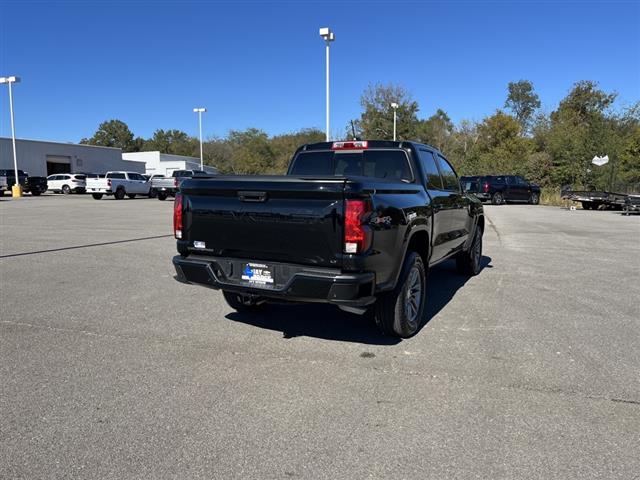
x,y
388,164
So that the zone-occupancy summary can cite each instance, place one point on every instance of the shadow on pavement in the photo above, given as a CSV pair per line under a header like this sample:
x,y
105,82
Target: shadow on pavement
x,y
330,323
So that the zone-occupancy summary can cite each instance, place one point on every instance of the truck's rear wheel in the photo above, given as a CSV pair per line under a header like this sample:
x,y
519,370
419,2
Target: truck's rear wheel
x,y
120,193
401,312
162,196
497,199
468,262
534,198
96,196
239,302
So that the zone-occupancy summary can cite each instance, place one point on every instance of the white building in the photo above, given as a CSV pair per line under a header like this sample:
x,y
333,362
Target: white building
x,y
166,164
40,158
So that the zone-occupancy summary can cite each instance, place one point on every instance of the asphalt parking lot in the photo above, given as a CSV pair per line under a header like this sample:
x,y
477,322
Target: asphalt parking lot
x,y
112,369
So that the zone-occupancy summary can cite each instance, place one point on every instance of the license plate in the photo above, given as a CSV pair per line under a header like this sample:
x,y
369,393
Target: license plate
x,y
257,274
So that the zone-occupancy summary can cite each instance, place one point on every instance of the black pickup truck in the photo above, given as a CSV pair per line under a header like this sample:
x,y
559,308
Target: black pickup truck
x,y
501,189
33,185
356,224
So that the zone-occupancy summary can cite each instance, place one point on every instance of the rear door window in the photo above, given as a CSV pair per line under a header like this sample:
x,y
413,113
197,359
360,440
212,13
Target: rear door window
x,y
116,175
449,177
431,173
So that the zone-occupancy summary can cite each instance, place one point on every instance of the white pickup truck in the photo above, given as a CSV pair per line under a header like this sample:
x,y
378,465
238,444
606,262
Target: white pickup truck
x,y
119,184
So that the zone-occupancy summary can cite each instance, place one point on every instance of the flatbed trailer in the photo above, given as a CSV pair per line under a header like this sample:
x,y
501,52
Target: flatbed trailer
x,y
593,200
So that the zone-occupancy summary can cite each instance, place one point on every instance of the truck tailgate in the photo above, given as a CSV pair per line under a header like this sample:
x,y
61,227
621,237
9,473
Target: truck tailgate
x,y
97,184
277,218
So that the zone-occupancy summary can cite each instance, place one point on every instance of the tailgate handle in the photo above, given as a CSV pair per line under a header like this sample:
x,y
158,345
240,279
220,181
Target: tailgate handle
x,y
252,196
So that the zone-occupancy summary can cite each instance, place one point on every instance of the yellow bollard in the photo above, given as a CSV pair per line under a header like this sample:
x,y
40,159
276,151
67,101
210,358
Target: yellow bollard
x,y
16,191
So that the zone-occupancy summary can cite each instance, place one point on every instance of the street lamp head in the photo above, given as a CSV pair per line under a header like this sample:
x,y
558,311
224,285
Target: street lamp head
x,y
12,79
201,109
394,105
327,34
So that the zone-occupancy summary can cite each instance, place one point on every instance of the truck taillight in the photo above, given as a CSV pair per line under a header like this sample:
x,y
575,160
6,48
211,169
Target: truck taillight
x,y
357,236
177,216
175,182
108,182
485,187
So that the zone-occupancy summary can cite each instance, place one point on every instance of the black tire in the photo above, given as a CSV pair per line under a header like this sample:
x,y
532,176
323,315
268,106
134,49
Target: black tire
x,y
120,193
398,312
131,195
239,302
497,199
469,262
587,205
35,193
534,198
162,196
1,193
152,193
66,189
96,196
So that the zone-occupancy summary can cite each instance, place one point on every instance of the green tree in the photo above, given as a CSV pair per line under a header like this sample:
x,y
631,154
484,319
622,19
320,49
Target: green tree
x,y
580,128
500,147
376,120
113,133
523,102
251,152
175,142
437,130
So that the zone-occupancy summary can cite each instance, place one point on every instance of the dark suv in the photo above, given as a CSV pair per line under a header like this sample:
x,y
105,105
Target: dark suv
x,y
501,189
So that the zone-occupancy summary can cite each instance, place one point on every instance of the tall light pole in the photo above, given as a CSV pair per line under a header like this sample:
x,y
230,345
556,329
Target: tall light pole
x,y
394,105
328,37
16,189
199,111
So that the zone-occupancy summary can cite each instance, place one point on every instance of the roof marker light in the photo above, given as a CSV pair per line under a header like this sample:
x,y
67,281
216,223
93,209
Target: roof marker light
x,y
355,145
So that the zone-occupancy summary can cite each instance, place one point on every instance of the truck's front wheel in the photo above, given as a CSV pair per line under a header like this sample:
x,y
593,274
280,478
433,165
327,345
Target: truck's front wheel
x,y
401,311
240,303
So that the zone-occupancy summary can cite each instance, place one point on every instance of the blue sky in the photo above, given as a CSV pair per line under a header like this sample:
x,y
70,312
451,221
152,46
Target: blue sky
x,y
261,64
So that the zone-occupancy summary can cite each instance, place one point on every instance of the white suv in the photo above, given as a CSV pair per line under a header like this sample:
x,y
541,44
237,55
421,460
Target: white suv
x,y
67,183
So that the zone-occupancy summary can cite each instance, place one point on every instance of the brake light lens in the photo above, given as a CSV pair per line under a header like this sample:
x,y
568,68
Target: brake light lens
x,y
485,187
109,182
355,145
175,182
357,236
177,216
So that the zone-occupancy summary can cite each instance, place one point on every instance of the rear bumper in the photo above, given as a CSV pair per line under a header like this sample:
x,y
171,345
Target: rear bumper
x,y
295,283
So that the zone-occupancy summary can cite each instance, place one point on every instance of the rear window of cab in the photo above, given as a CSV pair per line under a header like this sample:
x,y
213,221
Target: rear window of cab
x,y
384,164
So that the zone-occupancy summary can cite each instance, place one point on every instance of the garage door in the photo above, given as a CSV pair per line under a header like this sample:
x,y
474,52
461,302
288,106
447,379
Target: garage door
x,y
58,164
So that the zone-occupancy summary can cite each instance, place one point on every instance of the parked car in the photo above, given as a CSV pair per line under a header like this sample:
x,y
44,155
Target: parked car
x,y
119,184
168,186
3,184
356,224
30,184
501,189
67,183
